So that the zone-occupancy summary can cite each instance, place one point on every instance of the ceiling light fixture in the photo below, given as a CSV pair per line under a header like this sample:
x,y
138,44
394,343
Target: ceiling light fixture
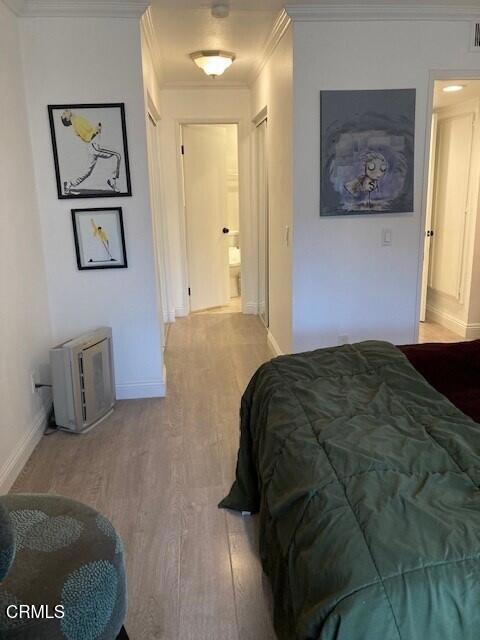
x,y
213,63
452,88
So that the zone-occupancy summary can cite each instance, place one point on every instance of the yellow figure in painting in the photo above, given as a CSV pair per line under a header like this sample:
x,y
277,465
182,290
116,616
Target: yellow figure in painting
x,y
101,235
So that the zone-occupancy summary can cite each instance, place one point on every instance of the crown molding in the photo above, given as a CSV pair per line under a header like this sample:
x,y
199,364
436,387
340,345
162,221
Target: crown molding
x,y
75,8
148,30
276,34
372,12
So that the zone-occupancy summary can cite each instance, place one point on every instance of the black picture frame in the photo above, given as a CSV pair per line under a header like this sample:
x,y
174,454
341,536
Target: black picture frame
x,y
92,193
77,235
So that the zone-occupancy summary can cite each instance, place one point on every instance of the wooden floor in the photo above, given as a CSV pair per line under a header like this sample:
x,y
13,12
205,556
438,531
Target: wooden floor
x,y
157,468
434,332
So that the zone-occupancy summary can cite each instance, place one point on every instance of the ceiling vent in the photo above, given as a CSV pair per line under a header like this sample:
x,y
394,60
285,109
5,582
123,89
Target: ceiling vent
x,y
475,37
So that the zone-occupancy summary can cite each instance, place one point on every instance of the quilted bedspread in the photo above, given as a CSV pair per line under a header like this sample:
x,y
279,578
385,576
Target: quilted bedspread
x,y
366,480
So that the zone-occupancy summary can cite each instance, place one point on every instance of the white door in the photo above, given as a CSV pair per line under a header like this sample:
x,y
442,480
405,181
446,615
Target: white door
x,y
450,201
205,179
428,219
262,203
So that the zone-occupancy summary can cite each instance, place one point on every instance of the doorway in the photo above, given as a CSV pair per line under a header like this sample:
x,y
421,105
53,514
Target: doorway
x,y
212,224
450,305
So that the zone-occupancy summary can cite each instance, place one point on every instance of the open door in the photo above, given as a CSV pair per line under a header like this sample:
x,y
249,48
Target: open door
x,y
205,183
428,218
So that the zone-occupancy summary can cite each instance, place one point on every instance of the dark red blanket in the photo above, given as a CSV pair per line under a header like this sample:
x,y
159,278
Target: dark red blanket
x,y
451,368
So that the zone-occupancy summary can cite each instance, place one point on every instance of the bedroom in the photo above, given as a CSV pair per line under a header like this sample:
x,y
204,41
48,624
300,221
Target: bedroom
x,y
158,466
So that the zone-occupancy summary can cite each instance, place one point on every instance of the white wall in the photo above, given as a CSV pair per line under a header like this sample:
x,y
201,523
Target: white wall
x,y
206,105
344,281
82,60
24,322
274,89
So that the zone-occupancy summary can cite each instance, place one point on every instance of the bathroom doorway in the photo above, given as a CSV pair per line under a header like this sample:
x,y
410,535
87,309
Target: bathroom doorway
x,y
212,225
450,304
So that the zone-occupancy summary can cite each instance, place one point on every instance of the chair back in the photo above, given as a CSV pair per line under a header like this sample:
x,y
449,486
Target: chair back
x,y
7,542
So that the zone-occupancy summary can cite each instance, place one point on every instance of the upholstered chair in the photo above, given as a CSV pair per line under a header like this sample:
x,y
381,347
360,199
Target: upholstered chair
x,y
65,561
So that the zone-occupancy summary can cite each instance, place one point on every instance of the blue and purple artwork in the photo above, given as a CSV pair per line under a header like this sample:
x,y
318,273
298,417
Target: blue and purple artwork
x,y
367,151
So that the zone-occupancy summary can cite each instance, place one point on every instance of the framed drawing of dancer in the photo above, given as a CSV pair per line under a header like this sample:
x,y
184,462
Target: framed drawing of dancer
x,y
90,150
99,238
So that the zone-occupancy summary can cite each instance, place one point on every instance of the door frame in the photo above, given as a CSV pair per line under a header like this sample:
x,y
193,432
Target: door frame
x,y
246,258
434,75
159,223
257,120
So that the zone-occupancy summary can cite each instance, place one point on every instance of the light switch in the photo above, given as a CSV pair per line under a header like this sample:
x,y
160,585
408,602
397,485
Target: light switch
x,y
386,237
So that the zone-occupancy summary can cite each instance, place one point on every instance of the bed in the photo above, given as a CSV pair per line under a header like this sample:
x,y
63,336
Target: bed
x,y
366,479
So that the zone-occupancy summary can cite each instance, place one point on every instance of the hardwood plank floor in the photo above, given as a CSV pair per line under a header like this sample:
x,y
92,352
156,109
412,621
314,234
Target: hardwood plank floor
x,y
434,332
157,468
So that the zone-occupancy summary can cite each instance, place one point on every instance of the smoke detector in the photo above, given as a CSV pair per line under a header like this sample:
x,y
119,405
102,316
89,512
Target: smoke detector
x,y
220,10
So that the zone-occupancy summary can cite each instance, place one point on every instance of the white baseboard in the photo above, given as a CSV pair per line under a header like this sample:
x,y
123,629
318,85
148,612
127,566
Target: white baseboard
x,y
142,389
273,344
473,331
181,312
447,320
251,308
24,449
169,316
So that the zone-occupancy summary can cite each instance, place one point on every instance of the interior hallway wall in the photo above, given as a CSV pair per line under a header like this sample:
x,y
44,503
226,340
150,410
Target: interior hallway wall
x,y
274,89
24,319
207,105
344,281
96,60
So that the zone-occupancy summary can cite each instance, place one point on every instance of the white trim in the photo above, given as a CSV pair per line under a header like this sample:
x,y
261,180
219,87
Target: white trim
x,y
462,329
278,31
24,449
250,308
473,331
369,12
273,344
74,8
148,30
446,320
261,116
169,316
181,312
142,389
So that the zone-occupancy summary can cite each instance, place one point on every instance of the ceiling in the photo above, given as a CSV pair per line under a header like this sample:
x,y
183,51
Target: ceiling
x,y
183,26
471,89
191,27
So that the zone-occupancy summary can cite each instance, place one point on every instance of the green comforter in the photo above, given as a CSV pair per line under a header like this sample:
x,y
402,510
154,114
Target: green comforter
x,y
366,480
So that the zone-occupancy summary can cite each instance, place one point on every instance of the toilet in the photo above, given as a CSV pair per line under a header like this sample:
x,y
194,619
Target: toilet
x,y
234,262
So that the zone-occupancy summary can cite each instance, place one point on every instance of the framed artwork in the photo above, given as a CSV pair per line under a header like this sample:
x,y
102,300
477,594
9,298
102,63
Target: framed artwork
x,y
90,150
367,151
99,238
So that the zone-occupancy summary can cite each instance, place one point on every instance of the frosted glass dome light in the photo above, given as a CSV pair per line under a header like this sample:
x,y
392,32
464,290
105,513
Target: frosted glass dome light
x,y
213,63
453,88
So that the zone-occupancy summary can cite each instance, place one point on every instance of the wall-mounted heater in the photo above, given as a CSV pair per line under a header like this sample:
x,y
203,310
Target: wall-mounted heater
x,y
83,380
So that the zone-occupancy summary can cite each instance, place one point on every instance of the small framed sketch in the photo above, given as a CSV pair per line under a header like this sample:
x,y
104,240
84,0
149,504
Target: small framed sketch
x,y
99,238
90,150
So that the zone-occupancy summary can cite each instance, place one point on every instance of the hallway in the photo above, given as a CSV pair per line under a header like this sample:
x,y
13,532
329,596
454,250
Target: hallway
x,y
157,468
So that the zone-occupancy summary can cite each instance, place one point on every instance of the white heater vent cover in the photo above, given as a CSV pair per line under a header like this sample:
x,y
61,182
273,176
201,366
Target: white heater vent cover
x,y
475,37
